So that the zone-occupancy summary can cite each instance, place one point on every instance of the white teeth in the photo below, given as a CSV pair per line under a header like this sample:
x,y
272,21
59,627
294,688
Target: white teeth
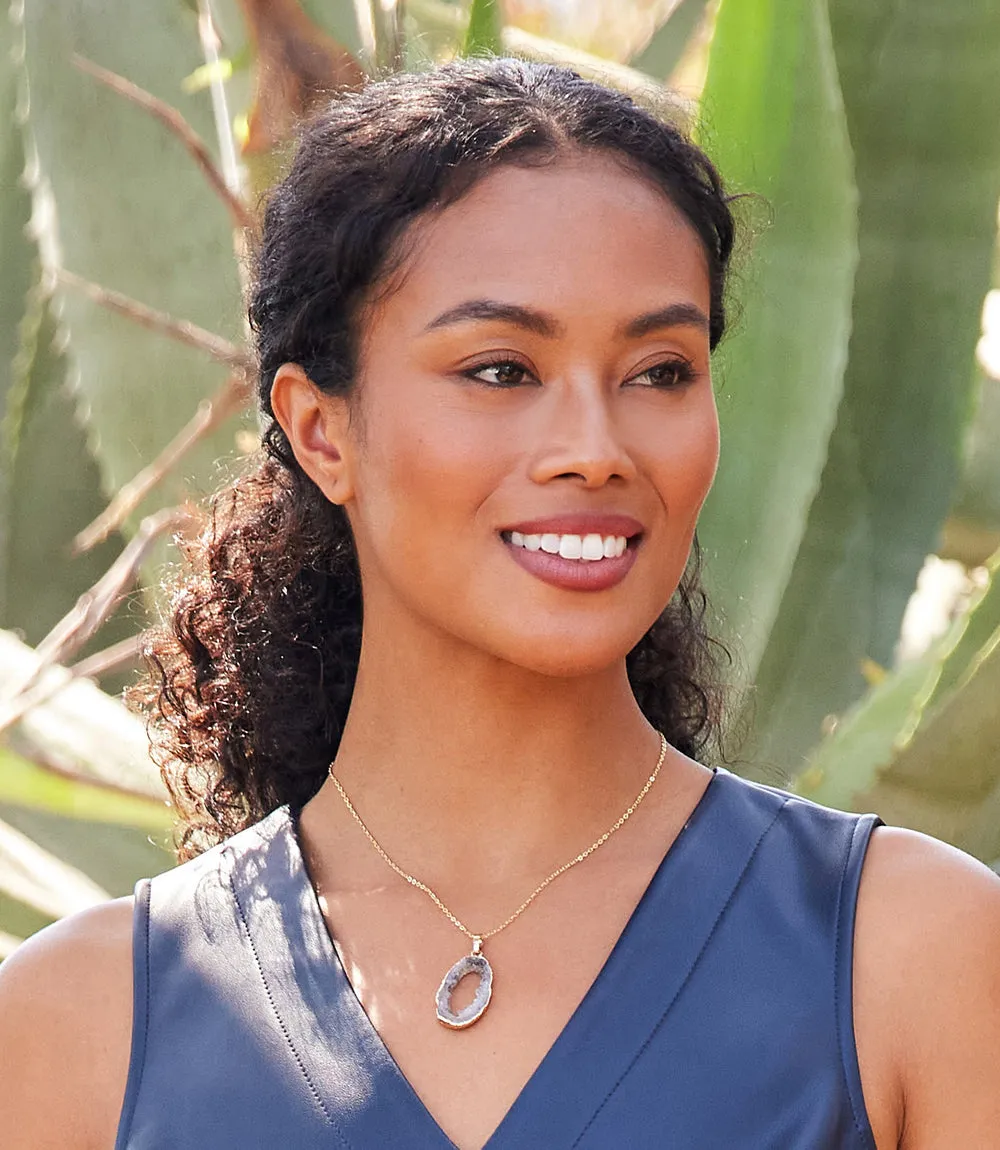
x,y
588,548
593,547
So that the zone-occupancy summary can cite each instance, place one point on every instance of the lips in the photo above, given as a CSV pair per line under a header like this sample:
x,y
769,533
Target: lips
x,y
576,552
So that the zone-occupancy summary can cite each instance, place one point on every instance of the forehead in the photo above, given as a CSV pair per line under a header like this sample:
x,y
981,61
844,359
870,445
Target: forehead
x,y
582,235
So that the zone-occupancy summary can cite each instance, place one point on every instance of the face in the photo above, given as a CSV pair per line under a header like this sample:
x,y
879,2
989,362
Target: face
x,y
534,430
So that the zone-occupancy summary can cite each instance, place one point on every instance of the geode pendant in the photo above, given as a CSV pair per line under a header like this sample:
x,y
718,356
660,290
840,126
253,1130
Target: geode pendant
x,y
474,963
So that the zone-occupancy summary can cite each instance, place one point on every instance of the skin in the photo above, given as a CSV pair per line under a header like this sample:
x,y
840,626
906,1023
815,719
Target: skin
x,y
492,735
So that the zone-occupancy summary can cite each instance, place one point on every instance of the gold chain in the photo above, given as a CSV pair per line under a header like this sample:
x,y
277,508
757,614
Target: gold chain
x,y
479,938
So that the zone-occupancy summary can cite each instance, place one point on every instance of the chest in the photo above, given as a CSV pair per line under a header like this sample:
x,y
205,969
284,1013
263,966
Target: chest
x,y
722,1017
543,967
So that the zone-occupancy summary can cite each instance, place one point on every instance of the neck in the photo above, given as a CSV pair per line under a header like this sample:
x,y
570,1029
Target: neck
x,y
484,764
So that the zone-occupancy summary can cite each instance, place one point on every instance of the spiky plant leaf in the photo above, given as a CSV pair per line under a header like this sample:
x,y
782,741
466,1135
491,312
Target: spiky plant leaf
x,y
130,211
53,490
112,857
922,748
26,784
981,621
946,780
19,258
17,251
77,729
849,760
33,876
920,83
974,524
774,121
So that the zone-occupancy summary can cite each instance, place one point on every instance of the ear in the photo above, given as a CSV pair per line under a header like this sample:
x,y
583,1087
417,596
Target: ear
x,y
317,427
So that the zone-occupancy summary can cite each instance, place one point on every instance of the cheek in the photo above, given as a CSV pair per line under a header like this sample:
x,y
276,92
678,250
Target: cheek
x,y
683,473
423,470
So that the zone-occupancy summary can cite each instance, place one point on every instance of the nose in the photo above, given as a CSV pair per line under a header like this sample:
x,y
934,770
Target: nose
x,y
580,439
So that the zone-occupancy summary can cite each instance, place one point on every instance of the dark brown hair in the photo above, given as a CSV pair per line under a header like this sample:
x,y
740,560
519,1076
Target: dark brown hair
x,y
252,676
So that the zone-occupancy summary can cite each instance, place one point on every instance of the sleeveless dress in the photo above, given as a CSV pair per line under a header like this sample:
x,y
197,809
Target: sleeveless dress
x,y
721,1020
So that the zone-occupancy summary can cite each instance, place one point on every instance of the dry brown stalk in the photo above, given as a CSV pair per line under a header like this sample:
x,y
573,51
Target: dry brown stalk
x,y
229,399
298,67
123,654
180,329
175,122
92,610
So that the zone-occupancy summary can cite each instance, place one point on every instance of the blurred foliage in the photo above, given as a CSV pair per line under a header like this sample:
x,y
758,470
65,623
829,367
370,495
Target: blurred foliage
x,y
851,406
927,177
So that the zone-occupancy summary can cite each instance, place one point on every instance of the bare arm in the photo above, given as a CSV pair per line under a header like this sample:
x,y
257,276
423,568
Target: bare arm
x,y
927,995
65,1032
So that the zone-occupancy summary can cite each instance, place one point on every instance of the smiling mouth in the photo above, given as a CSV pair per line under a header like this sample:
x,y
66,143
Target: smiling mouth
x,y
590,548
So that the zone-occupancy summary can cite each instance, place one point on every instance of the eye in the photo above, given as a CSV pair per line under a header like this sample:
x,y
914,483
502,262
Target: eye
x,y
500,373
672,373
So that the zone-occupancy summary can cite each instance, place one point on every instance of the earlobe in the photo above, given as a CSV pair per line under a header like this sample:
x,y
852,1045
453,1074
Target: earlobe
x,y
316,426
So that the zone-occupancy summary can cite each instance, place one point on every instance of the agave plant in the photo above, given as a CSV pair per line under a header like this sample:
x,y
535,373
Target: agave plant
x,y
137,141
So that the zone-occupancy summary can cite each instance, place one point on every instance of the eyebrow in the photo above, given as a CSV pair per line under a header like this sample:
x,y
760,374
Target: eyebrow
x,y
489,309
540,322
675,315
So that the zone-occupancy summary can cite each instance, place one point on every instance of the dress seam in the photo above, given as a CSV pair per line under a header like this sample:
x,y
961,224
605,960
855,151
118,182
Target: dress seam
x,y
317,1097
680,989
837,995
137,1055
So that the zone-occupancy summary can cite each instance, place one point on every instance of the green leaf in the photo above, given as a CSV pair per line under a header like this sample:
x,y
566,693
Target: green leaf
x,y
946,780
975,516
78,729
53,490
18,921
131,211
484,36
667,44
25,784
848,761
776,126
923,746
17,251
19,258
34,876
982,619
920,83
112,858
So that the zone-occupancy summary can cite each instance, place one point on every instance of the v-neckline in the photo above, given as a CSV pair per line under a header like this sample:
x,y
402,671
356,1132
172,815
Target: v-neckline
x,y
359,1084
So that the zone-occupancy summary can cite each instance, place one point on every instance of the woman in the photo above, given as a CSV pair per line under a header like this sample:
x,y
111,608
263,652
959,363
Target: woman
x,y
485,303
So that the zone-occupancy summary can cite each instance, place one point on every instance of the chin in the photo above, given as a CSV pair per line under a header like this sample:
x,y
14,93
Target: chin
x,y
560,656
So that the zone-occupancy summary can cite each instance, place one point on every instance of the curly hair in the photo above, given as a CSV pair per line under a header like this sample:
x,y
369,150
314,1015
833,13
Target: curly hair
x,y
250,680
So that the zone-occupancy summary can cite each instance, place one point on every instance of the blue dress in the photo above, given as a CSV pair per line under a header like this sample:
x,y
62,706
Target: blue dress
x,y
722,1018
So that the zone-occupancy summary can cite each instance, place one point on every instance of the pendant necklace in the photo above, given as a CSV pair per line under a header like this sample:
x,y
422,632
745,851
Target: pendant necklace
x,y
476,962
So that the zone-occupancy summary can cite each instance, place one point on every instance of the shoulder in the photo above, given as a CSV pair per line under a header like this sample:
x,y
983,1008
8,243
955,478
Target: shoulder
x,y
933,904
927,965
65,1031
